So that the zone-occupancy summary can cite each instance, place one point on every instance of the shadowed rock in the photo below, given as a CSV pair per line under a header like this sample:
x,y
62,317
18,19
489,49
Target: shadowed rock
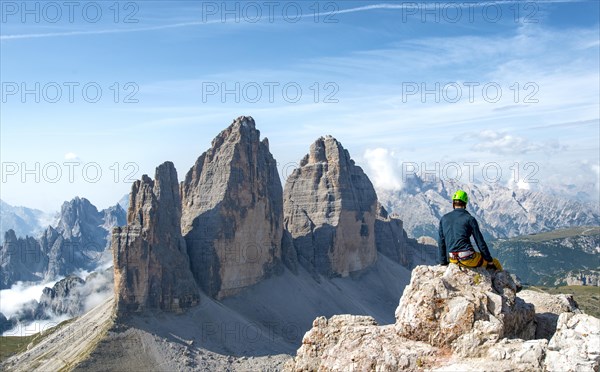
x,y
151,265
232,211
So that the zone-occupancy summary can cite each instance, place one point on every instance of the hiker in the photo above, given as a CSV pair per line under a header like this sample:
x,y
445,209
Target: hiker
x,y
454,242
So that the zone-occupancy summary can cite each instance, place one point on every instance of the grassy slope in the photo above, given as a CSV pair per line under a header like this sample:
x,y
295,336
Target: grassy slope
x,y
559,234
11,345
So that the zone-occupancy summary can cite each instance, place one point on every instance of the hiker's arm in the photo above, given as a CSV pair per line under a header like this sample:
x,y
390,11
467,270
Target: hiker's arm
x,y
442,255
483,248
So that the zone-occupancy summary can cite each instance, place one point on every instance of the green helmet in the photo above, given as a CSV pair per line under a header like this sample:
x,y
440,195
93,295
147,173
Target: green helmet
x,y
461,195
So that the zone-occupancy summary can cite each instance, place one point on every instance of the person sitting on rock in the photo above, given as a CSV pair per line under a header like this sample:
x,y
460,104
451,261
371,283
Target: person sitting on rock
x,y
454,242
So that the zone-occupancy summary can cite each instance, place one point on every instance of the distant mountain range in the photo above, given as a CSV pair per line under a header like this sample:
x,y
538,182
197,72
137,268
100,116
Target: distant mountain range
x,y
566,256
77,240
24,221
500,211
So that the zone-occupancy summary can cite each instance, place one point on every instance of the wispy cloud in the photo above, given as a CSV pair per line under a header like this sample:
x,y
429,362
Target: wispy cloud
x,y
384,6
506,143
106,31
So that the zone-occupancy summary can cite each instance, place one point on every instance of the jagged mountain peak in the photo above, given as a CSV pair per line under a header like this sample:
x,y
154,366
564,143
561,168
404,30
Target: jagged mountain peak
x,y
332,213
242,129
232,197
151,265
327,149
501,212
78,214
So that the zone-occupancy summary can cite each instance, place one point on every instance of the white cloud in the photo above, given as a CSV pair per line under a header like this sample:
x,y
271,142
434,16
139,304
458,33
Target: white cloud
x,y
13,299
383,169
596,169
71,156
506,143
520,184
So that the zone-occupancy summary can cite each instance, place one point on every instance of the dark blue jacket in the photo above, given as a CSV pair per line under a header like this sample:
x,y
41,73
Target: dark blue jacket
x,y
456,228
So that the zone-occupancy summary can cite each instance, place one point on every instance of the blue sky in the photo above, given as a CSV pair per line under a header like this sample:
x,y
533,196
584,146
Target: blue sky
x,y
361,67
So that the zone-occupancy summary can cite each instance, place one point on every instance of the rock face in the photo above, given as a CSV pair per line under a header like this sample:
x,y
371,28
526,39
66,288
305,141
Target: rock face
x,y
21,259
547,309
151,266
63,297
583,277
232,211
331,345
463,309
336,224
78,241
330,209
23,221
391,239
576,344
80,237
453,320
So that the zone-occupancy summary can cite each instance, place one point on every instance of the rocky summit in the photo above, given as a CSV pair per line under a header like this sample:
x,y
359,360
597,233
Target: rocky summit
x,y
151,265
330,207
453,319
232,211
332,213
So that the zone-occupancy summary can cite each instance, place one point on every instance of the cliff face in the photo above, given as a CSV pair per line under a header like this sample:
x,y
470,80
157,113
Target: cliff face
x,y
151,265
21,259
330,208
333,216
232,211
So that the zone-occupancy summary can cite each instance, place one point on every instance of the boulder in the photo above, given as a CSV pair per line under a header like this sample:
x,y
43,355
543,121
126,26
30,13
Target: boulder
x,y
463,309
356,343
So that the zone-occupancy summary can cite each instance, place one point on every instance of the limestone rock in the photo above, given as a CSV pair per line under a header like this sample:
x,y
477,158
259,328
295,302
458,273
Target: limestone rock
x,y
151,266
453,319
63,297
583,277
506,356
330,208
390,237
80,237
428,240
576,344
547,309
356,343
232,211
114,216
462,308
21,259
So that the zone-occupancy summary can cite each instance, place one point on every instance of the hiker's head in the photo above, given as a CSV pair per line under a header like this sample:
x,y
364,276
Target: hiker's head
x,y
460,199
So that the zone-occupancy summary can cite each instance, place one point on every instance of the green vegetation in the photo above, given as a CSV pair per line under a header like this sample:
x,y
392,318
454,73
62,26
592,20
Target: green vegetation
x,y
587,297
559,234
547,258
11,345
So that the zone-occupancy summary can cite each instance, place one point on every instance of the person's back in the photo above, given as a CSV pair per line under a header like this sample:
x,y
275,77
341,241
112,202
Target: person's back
x,y
455,231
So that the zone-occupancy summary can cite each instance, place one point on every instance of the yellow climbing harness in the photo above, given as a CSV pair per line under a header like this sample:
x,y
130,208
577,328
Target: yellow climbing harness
x,y
471,259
